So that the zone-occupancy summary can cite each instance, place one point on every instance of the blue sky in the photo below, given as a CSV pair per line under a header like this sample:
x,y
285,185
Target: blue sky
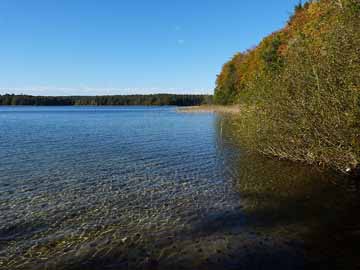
x,y
93,47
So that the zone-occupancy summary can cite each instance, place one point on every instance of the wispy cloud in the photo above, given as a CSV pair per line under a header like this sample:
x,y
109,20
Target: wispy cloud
x,y
181,41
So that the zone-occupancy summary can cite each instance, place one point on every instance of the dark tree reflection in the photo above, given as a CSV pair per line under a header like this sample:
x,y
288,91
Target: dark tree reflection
x,y
316,209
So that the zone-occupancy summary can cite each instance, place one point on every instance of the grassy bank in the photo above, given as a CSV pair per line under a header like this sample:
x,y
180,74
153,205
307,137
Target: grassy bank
x,y
301,87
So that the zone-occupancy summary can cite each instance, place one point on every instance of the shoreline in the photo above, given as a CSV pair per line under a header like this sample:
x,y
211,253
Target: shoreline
x,y
229,109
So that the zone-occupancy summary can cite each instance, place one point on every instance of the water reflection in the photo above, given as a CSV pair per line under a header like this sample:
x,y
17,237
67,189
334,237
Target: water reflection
x,y
313,209
180,193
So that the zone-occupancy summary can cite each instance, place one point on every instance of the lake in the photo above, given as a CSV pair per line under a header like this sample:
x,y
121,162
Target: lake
x,y
151,188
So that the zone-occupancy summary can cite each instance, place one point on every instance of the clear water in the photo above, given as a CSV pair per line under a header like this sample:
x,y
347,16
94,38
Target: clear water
x,y
148,187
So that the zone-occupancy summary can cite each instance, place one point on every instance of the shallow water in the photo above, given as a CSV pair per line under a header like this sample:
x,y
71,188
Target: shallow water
x,y
150,188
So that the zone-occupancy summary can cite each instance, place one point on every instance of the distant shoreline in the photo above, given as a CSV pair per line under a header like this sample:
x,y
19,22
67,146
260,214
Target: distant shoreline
x,y
111,100
89,105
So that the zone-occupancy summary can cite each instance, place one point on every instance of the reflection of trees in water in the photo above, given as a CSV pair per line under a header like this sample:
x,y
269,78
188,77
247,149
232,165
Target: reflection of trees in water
x,y
292,199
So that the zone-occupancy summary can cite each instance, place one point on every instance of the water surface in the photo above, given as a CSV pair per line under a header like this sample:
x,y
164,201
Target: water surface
x,y
150,188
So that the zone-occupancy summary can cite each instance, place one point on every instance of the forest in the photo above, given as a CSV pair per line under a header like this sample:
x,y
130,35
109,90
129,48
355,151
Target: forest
x,y
299,89
156,99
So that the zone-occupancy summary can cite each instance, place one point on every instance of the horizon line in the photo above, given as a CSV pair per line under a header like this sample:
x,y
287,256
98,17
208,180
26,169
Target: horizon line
x,y
90,91
109,95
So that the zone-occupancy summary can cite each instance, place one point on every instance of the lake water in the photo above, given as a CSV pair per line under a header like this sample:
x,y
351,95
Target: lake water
x,y
151,188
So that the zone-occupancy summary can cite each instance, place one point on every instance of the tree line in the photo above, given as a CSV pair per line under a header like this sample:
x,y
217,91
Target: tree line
x,y
114,100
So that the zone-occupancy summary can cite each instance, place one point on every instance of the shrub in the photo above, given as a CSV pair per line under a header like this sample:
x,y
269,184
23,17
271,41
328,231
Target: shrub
x,y
304,96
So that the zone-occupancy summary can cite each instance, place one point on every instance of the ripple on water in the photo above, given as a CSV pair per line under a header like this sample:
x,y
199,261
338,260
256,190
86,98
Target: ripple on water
x,y
130,188
102,176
